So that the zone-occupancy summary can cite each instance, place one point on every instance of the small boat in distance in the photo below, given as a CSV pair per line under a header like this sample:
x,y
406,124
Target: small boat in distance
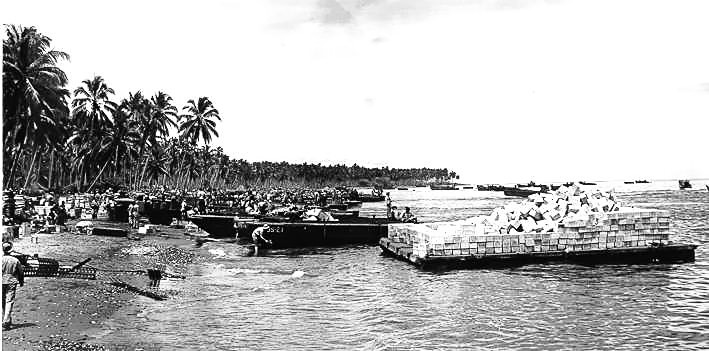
x,y
521,192
630,182
490,187
402,188
443,186
587,183
641,182
684,184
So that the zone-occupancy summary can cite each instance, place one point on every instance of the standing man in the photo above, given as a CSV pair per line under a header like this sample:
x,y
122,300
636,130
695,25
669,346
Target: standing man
x,y
12,275
388,202
183,210
258,238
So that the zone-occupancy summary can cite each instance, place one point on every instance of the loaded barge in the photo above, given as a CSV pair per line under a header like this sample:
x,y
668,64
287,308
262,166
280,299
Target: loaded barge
x,y
672,253
569,225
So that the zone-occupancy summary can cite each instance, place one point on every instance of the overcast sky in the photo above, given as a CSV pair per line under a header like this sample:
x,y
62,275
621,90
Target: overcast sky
x,y
496,90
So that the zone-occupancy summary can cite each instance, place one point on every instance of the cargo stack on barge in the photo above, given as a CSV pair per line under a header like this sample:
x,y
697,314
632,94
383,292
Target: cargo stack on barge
x,y
567,226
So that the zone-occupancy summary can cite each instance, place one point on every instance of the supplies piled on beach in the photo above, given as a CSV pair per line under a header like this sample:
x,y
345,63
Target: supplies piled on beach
x,y
569,219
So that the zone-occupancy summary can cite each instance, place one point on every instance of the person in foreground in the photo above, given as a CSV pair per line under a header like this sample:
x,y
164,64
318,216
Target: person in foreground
x,y
12,275
258,238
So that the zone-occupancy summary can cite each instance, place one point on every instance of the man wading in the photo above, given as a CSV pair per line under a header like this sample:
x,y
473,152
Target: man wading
x,y
12,275
258,238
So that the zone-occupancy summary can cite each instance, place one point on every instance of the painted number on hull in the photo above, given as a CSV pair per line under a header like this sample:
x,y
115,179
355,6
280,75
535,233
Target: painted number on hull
x,y
275,230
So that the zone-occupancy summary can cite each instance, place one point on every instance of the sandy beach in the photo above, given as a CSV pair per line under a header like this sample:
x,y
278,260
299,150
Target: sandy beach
x,y
67,313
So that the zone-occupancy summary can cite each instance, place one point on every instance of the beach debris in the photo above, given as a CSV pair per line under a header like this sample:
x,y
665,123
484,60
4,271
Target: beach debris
x,y
84,226
62,344
108,231
140,250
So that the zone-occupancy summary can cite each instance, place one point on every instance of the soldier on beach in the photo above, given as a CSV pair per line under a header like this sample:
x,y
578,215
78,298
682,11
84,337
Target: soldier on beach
x,y
12,275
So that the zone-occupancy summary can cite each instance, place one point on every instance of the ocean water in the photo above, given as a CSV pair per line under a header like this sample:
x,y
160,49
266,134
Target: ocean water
x,y
354,298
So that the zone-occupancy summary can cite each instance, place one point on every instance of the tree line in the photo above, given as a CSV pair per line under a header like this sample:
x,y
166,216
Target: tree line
x,y
58,139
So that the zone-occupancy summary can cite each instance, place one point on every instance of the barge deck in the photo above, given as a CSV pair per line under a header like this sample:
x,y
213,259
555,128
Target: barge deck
x,y
672,253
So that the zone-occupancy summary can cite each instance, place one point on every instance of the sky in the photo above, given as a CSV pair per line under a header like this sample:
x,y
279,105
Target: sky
x,y
499,91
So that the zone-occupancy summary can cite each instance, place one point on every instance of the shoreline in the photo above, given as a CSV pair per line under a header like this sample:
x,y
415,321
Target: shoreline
x,y
53,313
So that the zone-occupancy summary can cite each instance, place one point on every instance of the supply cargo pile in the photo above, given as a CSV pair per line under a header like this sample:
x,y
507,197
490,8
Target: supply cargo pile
x,y
568,219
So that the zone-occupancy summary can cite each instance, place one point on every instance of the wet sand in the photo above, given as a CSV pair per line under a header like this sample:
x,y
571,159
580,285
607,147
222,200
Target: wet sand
x,y
68,313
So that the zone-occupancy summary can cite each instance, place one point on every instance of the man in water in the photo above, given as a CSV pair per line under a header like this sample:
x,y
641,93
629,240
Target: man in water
x,y
408,217
12,275
258,239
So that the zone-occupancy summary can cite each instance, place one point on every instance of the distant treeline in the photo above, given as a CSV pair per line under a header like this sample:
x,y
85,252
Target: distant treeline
x,y
78,140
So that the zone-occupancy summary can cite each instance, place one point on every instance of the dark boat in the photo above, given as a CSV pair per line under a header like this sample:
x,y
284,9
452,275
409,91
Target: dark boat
x,y
443,186
630,182
119,212
468,187
401,188
707,187
219,226
160,212
684,184
521,192
356,231
491,187
641,182
587,183
370,198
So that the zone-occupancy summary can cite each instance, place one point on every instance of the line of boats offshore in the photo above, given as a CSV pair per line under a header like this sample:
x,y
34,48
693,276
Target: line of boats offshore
x,y
292,217
328,218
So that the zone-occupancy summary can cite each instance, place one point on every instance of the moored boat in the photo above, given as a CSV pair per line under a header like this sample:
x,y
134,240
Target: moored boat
x,y
629,182
219,226
684,184
443,186
370,198
521,192
587,183
354,231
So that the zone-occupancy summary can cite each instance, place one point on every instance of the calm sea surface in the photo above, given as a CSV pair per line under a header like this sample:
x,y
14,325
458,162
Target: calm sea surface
x,y
355,299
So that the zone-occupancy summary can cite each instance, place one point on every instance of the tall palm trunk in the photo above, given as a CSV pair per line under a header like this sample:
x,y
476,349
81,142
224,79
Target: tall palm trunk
x,y
51,167
29,172
99,175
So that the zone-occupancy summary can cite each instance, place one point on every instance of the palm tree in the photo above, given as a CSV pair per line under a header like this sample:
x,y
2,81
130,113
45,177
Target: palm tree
x,y
33,90
92,105
198,120
158,117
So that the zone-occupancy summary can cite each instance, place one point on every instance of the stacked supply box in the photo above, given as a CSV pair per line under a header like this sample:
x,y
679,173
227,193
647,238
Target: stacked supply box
x,y
568,220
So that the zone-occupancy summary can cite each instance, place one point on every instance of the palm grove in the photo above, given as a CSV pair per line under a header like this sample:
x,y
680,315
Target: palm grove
x,y
54,138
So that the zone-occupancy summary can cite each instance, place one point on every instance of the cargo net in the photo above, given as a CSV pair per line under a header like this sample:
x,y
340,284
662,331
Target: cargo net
x,y
568,219
47,267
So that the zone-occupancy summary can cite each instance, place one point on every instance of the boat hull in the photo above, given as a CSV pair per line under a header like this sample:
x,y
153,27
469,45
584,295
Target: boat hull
x,y
519,192
370,198
362,231
443,187
218,226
